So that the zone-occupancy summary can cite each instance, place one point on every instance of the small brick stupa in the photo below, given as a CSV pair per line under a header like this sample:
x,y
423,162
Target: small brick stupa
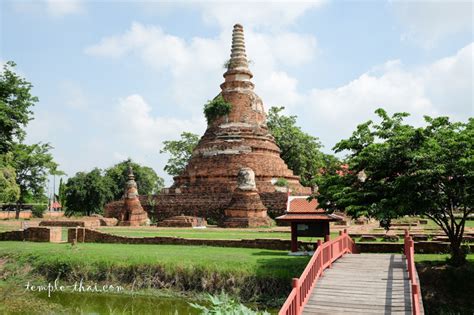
x,y
246,208
238,139
132,213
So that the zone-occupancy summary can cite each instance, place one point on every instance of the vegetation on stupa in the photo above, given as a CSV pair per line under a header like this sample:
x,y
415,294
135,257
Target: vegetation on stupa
x,y
216,108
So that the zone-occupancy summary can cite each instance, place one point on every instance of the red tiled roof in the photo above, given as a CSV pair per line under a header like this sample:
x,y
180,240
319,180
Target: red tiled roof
x,y
308,217
302,205
56,205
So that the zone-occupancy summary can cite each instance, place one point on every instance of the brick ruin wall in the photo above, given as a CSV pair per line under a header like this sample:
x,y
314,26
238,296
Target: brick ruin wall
x,y
204,205
33,234
71,223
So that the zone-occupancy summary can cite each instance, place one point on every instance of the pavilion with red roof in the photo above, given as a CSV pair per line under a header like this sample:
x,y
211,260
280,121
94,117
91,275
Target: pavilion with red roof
x,y
306,219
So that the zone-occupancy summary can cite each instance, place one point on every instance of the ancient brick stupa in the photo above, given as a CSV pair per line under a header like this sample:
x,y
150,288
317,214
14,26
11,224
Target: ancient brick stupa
x,y
237,140
240,139
132,213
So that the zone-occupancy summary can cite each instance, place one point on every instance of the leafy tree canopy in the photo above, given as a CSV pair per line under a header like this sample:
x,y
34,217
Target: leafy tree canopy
x,y
148,182
9,189
87,193
395,169
180,152
300,151
33,163
15,103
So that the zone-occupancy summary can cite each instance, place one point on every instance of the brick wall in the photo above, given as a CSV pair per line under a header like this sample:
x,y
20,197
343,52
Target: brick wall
x,y
33,234
24,214
209,205
53,214
12,236
91,223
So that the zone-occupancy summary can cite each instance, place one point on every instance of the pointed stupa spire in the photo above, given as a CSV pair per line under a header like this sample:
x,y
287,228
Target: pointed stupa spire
x,y
238,64
131,176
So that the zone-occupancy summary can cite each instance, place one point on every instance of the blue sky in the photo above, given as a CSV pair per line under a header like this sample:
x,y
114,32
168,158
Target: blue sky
x,y
116,79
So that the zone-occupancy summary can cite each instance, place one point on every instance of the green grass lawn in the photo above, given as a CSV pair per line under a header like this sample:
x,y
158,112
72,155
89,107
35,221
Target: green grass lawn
x,y
209,233
470,223
241,260
435,258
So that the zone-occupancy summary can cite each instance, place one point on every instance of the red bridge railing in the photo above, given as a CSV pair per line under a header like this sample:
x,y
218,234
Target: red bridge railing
x,y
325,254
409,247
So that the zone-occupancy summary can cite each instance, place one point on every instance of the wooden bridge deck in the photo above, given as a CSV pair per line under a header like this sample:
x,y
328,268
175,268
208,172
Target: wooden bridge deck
x,y
363,284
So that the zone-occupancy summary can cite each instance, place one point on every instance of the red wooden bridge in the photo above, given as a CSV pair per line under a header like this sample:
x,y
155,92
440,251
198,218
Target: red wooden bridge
x,y
356,283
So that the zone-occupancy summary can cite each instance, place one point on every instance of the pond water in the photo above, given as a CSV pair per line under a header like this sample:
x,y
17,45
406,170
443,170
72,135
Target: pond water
x,y
92,304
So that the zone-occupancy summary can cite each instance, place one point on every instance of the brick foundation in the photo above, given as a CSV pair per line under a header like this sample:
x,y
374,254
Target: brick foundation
x,y
33,234
24,214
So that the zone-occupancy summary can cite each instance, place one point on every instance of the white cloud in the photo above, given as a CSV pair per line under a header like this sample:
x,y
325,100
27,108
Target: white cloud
x,y
256,14
141,129
189,62
441,88
428,22
53,8
280,90
142,133
60,8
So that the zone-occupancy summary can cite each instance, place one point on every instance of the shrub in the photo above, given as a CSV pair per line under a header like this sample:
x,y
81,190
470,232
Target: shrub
x,y
38,210
281,182
224,304
216,108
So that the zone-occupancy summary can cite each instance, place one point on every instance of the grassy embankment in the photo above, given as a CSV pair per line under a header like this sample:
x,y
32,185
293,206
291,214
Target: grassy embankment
x,y
253,275
446,289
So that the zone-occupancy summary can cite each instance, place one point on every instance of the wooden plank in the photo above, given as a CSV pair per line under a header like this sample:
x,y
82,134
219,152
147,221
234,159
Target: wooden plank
x,y
363,284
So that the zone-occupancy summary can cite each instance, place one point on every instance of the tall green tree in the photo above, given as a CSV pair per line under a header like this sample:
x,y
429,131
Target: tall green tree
x,y
87,193
180,152
300,151
33,163
15,103
148,182
9,189
395,169
62,194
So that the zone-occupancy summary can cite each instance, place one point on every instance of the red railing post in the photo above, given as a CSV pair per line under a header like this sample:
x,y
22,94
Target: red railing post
x,y
327,239
295,285
320,258
415,288
323,257
405,243
409,248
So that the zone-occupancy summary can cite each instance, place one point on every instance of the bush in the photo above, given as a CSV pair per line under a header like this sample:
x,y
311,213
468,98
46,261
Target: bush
x,y
281,182
224,304
38,210
216,108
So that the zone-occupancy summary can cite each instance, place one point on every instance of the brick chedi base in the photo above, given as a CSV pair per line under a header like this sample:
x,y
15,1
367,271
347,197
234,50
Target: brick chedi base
x,y
182,221
132,213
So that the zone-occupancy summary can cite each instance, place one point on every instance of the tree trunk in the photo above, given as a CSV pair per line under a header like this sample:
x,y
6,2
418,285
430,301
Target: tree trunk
x,y
458,254
17,210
